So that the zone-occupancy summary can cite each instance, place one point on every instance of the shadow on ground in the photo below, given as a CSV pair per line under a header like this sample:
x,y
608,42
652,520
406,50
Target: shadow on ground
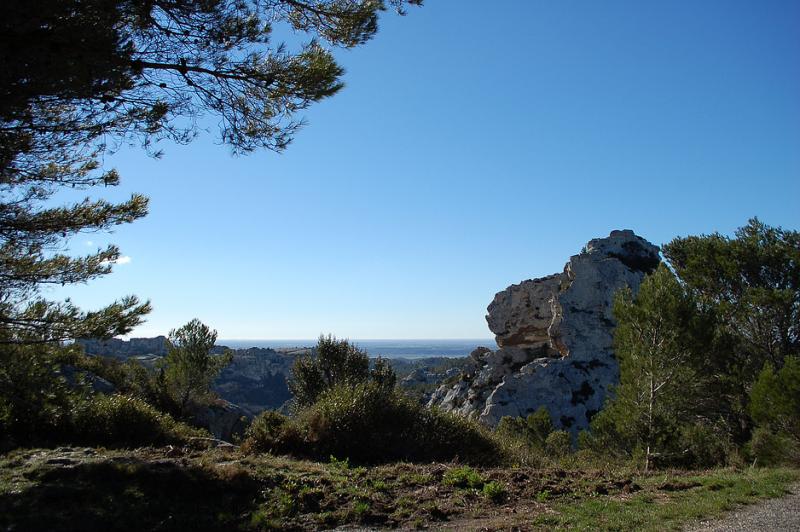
x,y
128,494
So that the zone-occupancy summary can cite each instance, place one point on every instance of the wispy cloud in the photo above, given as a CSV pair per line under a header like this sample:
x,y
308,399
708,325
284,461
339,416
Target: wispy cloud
x,y
124,259
89,243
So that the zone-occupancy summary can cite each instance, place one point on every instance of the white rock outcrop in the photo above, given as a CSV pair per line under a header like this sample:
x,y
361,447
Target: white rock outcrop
x,y
555,339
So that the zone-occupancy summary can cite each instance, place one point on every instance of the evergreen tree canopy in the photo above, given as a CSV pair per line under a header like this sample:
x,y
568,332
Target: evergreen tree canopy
x,y
775,407
189,367
80,77
775,400
336,362
754,282
693,343
657,338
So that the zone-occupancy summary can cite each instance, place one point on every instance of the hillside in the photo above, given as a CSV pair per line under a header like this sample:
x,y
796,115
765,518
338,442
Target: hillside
x,y
95,490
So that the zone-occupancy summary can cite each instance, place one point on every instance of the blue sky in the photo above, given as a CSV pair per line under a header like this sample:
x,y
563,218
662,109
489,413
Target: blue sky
x,y
475,145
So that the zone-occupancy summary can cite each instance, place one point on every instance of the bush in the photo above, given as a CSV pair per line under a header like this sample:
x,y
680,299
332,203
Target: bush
x,y
775,407
271,432
558,443
369,424
703,445
120,420
336,362
444,436
34,401
770,449
463,477
38,407
532,431
110,369
495,491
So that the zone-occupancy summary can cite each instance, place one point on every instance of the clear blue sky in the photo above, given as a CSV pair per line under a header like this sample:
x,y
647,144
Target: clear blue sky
x,y
475,145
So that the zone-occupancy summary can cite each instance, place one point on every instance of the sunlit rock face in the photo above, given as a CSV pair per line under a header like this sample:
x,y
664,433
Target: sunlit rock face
x,y
555,339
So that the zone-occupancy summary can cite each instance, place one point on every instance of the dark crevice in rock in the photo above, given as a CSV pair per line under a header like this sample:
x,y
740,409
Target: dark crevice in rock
x,y
637,258
580,395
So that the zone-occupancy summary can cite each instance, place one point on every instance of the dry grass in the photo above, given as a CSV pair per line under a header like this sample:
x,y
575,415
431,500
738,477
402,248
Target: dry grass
x,y
184,489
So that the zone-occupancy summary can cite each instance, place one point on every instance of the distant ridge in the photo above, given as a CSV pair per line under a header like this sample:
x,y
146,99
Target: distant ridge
x,y
389,348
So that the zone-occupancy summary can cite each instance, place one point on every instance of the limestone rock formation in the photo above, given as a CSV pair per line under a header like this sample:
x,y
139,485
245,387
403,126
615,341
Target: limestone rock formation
x,y
555,339
422,376
256,379
224,420
123,349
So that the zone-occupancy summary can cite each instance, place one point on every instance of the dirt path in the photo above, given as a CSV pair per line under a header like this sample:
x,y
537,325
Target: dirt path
x,y
771,515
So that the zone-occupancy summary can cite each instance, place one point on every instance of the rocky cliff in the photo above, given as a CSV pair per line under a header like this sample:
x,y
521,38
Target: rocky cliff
x,y
124,349
255,380
554,336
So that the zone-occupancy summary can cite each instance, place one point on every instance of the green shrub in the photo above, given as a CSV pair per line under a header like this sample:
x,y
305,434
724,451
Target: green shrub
x,y
445,436
38,407
35,402
368,423
525,437
703,445
511,427
120,420
775,407
106,368
558,443
533,430
495,491
335,463
539,425
266,433
335,363
769,449
463,477
585,441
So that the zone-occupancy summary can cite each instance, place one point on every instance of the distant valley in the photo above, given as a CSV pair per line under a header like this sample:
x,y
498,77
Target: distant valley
x,y
256,380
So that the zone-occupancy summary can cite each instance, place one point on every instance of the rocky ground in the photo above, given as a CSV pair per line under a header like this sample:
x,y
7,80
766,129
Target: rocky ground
x,y
213,489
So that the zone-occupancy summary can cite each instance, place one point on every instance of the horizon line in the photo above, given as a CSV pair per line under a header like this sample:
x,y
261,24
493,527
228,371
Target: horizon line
x,y
346,338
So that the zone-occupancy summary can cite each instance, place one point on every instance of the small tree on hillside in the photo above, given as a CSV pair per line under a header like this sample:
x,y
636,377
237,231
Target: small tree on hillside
x,y
189,367
655,340
335,362
775,407
533,430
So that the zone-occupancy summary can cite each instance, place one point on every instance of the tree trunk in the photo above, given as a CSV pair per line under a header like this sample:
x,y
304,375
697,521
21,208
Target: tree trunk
x,y
649,425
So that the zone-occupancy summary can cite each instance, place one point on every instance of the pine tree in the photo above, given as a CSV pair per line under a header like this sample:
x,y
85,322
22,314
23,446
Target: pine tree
x,y
752,282
657,335
189,367
81,77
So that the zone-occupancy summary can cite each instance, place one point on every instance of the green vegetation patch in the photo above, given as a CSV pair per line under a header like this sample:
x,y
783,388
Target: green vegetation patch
x,y
669,503
463,477
366,423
